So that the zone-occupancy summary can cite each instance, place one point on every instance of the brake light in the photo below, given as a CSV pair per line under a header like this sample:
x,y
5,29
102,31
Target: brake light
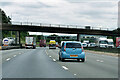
x,y
82,49
65,48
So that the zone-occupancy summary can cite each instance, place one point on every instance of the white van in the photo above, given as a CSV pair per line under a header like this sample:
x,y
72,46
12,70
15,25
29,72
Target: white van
x,y
110,43
30,42
102,42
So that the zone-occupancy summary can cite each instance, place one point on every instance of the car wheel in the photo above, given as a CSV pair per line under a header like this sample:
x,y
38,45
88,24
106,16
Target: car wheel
x,y
83,59
62,59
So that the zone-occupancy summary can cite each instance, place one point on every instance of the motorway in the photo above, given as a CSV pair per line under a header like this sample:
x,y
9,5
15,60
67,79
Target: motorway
x,y
44,63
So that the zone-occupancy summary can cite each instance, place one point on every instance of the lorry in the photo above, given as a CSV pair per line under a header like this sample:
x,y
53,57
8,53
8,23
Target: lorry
x,y
52,44
42,43
110,43
117,42
8,41
102,42
30,42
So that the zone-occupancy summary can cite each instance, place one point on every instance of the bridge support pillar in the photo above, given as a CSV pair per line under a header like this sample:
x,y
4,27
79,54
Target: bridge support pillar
x,y
17,38
78,37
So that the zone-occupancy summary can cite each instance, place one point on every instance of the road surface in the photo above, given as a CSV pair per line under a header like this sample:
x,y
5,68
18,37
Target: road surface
x,y
44,63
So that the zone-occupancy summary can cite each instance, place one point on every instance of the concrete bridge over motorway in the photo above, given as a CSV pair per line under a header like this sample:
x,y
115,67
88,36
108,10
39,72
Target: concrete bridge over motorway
x,y
56,28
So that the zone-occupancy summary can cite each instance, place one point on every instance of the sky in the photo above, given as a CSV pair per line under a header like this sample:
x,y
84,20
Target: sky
x,y
95,13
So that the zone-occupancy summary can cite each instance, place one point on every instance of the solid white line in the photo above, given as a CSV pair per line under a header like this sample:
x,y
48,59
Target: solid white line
x,y
8,59
14,55
64,67
54,60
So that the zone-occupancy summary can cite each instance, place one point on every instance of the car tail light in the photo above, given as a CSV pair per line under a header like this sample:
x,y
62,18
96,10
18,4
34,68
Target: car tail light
x,y
82,49
65,48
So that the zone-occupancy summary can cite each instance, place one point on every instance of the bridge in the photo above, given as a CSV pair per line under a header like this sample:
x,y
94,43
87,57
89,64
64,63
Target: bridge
x,y
57,28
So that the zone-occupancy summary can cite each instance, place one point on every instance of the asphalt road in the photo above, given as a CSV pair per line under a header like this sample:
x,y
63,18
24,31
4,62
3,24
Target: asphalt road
x,y
44,63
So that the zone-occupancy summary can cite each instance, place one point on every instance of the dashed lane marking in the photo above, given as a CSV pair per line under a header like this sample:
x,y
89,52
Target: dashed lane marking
x,y
8,59
64,67
97,60
20,53
54,60
75,74
14,55
50,56
101,61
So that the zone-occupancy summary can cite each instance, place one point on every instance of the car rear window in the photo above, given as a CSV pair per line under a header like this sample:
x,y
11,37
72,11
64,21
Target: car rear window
x,y
73,45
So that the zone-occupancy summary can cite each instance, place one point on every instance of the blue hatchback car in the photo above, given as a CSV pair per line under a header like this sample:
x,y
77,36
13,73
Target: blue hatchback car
x,y
72,50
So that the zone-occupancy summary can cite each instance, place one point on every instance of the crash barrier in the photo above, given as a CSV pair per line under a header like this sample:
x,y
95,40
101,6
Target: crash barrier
x,y
110,50
11,47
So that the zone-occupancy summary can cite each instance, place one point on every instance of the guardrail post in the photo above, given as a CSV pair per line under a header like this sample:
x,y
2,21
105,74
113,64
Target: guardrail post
x,y
21,23
59,26
76,26
31,24
50,25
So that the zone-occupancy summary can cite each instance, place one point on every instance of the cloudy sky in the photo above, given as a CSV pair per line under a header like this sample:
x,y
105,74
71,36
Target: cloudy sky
x,y
96,13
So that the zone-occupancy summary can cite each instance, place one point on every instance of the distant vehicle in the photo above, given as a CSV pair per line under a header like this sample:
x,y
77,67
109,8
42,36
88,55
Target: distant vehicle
x,y
110,43
52,44
117,42
84,45
30,42
8,41
86,41
102,42
72,50
91,45
42,43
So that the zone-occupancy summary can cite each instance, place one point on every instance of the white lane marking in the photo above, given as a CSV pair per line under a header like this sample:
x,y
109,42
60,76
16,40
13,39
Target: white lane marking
x,y
75,74
97,60
101,61
54,60
8,59
46,52
14,55
20,53
64,67
50,56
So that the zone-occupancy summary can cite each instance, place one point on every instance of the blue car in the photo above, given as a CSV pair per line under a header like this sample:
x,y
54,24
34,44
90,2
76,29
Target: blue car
x,y
72,50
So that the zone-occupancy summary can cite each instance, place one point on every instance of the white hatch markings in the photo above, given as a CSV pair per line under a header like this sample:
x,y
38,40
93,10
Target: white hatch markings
x,y
54,60
14,55
8,59
64,67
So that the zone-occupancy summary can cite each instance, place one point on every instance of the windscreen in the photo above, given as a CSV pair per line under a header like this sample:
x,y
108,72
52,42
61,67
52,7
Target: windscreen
x,y
103,42
73,45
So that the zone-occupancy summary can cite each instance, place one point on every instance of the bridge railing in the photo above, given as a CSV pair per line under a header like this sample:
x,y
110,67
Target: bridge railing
x,y
60,25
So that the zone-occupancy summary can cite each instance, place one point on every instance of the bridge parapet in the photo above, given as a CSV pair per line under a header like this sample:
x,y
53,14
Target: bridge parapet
x,y
60,26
